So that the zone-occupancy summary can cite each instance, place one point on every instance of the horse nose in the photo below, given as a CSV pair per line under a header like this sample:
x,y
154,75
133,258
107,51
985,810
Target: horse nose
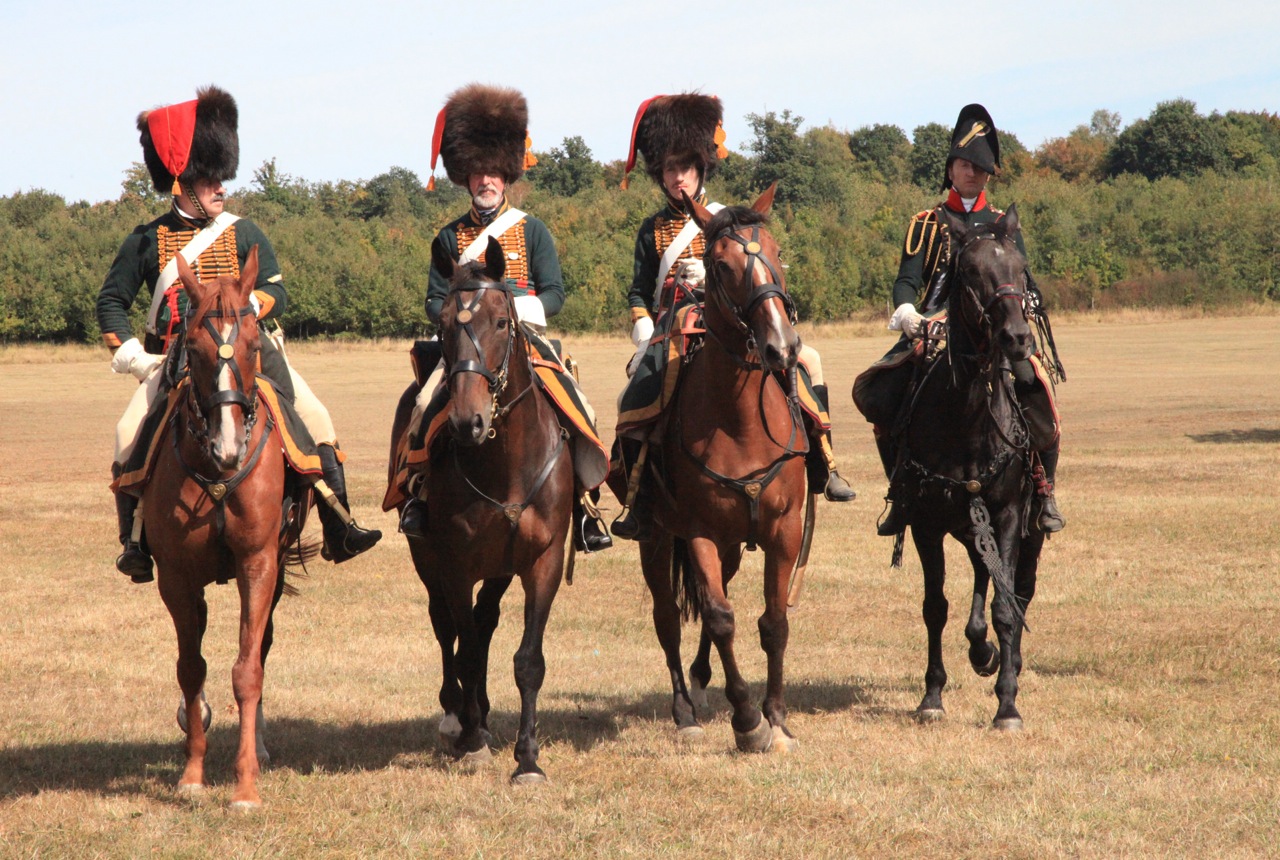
x,y
1017,344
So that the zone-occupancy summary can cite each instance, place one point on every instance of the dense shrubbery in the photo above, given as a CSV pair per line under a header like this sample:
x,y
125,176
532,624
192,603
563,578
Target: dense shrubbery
x,y
1176,209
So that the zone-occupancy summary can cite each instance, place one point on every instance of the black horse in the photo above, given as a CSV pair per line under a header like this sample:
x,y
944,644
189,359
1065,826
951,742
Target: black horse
x,y
964,467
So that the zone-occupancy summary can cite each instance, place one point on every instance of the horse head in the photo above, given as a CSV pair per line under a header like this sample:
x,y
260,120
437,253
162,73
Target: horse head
x,y
479,331
988,284
222,344
745,286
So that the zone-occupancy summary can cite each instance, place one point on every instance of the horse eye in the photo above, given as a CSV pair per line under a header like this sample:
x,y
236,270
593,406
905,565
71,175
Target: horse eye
x,y
502,323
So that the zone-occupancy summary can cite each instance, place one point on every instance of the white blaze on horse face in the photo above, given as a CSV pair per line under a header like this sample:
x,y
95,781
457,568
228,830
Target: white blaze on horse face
x,y
227,436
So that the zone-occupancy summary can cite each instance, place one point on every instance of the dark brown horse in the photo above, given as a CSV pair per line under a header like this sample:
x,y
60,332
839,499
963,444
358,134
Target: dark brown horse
x,y
214,512
499,494
964,466
732,473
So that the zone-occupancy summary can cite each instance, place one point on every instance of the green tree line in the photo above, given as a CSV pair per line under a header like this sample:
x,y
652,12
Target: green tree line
x,y
1177,208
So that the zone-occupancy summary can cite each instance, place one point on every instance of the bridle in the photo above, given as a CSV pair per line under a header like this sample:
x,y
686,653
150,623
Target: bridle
x,y
985,322
757,294
497,381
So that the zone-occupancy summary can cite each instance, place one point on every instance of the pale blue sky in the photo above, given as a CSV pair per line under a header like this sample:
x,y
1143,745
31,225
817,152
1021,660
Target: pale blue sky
x,y
342,90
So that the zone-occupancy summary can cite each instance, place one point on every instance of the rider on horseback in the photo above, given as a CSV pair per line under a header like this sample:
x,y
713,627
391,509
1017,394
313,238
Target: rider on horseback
x,y
681,139
190,149
972,160
482,136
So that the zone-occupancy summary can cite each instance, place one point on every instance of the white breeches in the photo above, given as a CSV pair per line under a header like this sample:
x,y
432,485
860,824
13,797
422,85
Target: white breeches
x,y
813,363
312,412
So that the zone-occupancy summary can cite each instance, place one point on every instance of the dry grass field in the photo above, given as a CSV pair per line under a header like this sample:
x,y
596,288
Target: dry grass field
x,y
1149,691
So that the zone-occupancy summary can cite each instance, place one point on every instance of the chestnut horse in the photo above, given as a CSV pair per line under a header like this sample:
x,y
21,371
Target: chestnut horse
x,y
732,472
964,465
499,494
214,510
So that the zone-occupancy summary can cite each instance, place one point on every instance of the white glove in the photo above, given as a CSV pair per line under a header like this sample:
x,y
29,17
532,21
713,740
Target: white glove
x,y
641,331
130,357
635,360
529,310
692,273
907,320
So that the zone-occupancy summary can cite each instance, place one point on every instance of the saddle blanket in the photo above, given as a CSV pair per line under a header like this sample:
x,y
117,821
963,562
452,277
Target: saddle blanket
x,y
553,376
299,448
653,386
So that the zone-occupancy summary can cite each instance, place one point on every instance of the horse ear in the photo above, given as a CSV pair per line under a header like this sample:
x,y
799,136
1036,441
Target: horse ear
x,y
249,273
1010,220
495,261
441,260
954,223
765,201
701,214
190,283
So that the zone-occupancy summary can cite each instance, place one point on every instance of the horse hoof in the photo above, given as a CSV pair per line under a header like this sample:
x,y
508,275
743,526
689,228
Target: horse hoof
x,y
533,777
757,740
782,743
191,791
690,735
450,727
1012,725
698,695
246,806
993,664
473,761
264,759
206,713
930,715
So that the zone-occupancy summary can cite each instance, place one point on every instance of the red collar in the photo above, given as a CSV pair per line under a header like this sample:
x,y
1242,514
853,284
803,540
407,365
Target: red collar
x,y
955,205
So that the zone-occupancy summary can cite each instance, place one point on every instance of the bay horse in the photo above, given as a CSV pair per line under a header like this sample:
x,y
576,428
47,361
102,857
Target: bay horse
x,y
964,464
732,473
215,510
499,495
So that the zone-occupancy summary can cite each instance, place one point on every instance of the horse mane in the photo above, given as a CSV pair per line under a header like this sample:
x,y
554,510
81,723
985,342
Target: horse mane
x,y
731,218
217,296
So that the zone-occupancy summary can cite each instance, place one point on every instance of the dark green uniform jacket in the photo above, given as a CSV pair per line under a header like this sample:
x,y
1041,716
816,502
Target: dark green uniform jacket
x,y
149,248
927,249
656,234
532,263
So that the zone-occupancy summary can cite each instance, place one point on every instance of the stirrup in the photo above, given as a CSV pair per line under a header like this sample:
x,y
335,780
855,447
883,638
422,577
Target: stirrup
x,y
589,533
413,518
629,526
135,564
353,541
895,521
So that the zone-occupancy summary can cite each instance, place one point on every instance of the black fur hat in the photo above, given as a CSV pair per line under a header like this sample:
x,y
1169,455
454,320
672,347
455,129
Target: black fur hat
x,y
191,140
973,139
483,129
686,125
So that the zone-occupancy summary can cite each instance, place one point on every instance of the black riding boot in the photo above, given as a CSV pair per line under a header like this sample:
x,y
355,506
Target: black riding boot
x,y
413,518
822,462
134,561
343,539
589,532
636,519
1050,519
896,520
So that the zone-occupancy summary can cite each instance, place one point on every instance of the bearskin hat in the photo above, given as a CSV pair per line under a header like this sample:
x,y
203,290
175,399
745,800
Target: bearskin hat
x,y
687,125
973,139
191,140
483,129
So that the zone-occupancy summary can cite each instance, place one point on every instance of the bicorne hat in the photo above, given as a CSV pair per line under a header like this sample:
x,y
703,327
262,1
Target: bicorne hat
x,y
191,140
973,139
688,125
482,129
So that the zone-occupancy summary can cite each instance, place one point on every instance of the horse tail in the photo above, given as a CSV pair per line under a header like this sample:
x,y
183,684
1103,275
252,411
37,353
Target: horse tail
x,y
684,582
293,562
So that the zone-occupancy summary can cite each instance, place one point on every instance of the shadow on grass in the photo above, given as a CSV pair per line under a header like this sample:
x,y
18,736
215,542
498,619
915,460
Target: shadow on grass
x,y
305,746
1230,437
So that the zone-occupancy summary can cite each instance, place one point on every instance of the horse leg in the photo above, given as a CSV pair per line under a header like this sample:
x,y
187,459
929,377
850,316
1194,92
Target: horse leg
x,y
700,668
751,732
446,637
487,611
256,582
471,746
268,638
540,587
656,563
984,657
934,610
774,633
1008,528
190,614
